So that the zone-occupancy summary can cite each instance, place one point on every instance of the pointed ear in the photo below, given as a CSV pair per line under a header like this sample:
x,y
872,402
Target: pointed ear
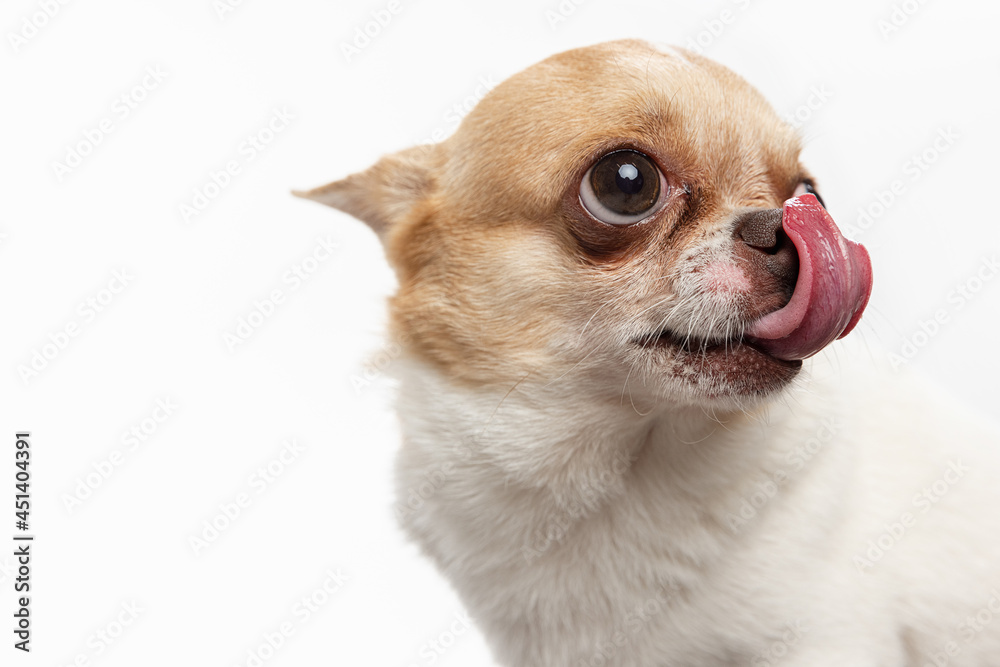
x,y
384,193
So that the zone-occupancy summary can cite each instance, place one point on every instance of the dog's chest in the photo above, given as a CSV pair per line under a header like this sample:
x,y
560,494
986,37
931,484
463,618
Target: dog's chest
x,y
609,589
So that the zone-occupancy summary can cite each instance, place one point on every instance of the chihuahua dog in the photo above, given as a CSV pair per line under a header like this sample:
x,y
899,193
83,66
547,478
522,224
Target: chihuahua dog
x,y
609,278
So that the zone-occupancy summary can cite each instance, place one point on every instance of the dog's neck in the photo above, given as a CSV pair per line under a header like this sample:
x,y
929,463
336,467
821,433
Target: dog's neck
x,y
542,449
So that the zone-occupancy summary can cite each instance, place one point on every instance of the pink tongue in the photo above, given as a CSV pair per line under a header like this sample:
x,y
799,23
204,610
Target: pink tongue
x,y
832,290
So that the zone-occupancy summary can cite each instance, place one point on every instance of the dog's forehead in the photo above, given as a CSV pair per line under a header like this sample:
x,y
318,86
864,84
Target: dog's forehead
x,y
619,84
541,124
642,57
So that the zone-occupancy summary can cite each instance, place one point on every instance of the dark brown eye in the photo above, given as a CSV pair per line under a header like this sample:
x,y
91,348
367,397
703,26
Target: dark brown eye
x,y
808,187
623,188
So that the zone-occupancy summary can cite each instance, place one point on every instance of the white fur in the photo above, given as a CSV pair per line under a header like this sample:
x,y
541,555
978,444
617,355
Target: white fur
x,y
557,516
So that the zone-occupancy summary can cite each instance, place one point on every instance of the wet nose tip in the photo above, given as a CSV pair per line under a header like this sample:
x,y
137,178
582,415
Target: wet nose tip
x,y
761,231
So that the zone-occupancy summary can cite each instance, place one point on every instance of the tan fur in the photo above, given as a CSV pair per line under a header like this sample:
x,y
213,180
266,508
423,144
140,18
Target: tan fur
x,y
475,216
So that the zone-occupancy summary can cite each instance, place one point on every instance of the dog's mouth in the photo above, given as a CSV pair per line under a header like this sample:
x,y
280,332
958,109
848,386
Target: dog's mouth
x,y
832,287
719,368
728,350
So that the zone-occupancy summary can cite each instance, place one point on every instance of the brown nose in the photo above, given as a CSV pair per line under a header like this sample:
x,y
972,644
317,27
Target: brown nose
x,y
767,245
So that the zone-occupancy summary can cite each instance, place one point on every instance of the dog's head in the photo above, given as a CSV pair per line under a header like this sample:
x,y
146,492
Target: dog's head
x,y
621,216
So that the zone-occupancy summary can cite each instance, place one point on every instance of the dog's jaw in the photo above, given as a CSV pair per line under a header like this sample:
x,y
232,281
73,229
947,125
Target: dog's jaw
x,y
727,373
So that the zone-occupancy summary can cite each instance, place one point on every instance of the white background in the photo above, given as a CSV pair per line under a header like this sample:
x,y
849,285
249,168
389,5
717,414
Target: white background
x,y
297,376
